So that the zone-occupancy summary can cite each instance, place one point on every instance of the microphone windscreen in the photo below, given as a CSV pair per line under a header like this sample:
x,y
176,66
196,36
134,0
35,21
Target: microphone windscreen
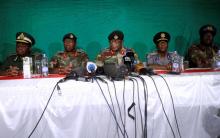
x,y
91,67
115,71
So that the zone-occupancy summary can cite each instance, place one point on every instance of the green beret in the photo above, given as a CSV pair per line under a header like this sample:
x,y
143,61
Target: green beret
x,y
24,37
207,28
116,35
161,36
70,36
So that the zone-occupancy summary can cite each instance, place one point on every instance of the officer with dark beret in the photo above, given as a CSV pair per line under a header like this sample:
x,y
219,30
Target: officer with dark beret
x,y
70,59
161,36
70,36
116,51
161,58
116,35
201,55
207,29
13,65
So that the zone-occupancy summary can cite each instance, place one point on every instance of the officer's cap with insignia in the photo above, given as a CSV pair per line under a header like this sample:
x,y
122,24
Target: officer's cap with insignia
x,y
24,37
207,28
70,36
161,36
116,35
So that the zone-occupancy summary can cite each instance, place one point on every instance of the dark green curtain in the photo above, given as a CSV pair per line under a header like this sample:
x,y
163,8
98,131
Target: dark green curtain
x,y
93,20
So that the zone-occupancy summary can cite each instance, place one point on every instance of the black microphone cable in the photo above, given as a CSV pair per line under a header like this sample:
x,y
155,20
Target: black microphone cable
x,y
112,105
110,109
173,105
162,106
110,98
139,105
146,102
48,101
133,105
124,106
120,114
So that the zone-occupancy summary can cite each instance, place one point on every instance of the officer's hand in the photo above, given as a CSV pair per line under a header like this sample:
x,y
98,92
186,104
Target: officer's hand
x,y
169,66
65,70
13,71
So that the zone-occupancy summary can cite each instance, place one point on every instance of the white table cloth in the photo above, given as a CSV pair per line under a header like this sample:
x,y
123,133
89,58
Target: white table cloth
x,y
80,111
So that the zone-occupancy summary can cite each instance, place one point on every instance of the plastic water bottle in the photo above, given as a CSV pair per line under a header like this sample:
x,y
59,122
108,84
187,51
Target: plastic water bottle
x,y
27,67
217,60
44,65
176,63
182,63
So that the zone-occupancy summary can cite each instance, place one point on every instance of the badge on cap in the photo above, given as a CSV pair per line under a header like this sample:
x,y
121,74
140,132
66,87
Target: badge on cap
x,y
162,35
209,28
71,36
115,36
21,36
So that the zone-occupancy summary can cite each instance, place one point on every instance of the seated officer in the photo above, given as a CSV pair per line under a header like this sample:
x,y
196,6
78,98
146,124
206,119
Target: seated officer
x,y
201,55
116,52
13,65
70,59
161,58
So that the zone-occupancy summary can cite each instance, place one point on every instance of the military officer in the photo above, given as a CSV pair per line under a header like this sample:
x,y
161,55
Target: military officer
x,y
70,59
201,55
160,59
116,51
13,65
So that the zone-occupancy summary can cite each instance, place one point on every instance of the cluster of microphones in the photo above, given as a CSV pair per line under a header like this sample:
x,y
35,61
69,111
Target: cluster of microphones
x,y
110,70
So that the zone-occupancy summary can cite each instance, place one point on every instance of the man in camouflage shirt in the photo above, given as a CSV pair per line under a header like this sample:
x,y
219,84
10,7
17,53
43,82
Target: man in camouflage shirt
x,y
13,65
160,59
70,59
116,52
201,55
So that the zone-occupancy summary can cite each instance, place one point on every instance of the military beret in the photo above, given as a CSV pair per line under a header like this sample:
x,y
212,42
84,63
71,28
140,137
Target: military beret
x,y
161,36
116,35
70,36
207,28
24,37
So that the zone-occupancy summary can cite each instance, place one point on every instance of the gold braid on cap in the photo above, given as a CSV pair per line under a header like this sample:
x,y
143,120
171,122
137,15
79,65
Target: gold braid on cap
x,y
22,38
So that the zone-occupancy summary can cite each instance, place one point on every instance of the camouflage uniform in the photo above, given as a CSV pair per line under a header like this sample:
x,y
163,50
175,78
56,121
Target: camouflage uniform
x,y
77,58
201,55
109,56
154,58
201,58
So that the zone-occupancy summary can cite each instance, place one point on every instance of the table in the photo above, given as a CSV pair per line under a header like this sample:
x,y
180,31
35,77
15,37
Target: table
x,y
79,110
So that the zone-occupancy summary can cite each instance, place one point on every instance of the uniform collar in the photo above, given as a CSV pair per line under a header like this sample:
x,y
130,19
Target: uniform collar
x,y
122,51
203,47
165,54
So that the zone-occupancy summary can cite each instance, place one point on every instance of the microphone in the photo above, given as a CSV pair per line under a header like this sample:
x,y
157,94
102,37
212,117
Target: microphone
x,y
129,57
129,60
134,74
91,67
147,71
71,76
115,71
143,71
78,73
